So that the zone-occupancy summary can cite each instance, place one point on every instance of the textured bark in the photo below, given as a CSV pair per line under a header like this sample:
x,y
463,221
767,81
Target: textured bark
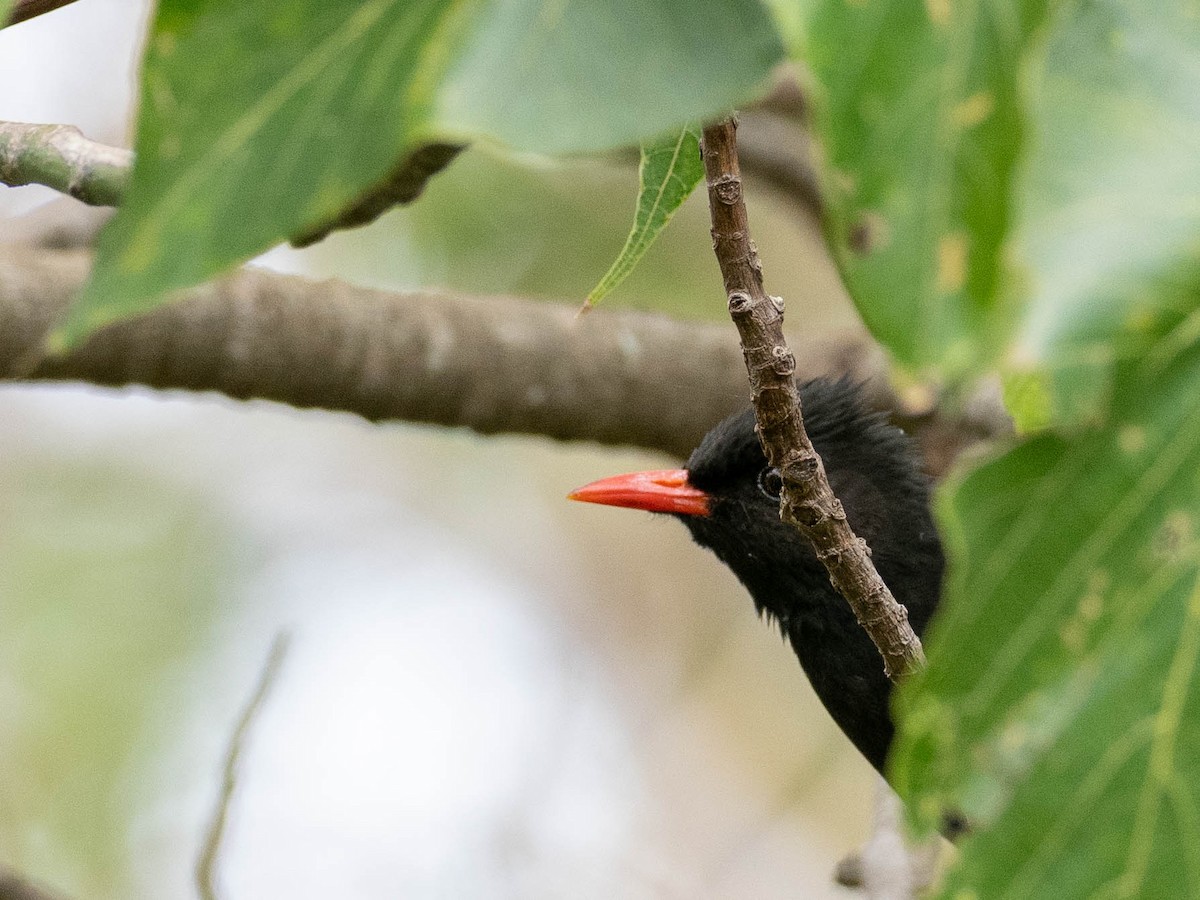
x,y
495,365
808,502
491,364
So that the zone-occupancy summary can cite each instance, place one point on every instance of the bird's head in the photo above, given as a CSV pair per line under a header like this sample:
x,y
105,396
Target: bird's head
x,y
728,497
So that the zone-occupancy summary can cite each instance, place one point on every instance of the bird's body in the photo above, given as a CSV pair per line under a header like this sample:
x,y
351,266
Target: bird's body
x,y
728,499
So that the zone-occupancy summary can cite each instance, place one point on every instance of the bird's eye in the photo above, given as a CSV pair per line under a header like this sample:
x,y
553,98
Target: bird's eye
x,y
770,482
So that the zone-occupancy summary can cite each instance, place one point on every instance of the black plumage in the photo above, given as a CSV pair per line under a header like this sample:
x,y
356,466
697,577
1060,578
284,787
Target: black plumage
x,y
727,496
874,470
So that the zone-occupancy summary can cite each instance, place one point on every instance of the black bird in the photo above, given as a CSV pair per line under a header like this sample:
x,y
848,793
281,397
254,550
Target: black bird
x,y
728,497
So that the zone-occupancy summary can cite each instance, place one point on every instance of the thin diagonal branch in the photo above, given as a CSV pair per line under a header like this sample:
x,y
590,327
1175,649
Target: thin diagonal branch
x,y
206,864
808,502
60,157
28,9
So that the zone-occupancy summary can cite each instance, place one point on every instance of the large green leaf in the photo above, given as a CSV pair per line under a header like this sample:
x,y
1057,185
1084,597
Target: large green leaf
x,y
670,169
922,127
1108,222
1061,707
568,76
1060,710
1005,180
260,120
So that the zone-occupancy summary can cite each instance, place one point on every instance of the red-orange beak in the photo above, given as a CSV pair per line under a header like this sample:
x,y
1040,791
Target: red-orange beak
x,y
665,490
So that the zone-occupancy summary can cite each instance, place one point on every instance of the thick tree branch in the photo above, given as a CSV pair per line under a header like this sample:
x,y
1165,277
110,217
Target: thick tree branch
x,y
808,502
60,224
492,364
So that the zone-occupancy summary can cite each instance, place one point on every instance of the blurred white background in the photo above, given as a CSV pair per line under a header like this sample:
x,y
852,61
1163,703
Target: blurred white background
x,y
490,692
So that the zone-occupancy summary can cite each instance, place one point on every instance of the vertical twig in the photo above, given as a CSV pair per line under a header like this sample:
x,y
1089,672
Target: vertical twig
x,y
808,502
206,864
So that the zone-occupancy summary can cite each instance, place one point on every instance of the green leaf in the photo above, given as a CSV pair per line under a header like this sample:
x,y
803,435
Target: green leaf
x,y
570,76
1060,710
262,120
1108,231
922,129
670,170
1061,707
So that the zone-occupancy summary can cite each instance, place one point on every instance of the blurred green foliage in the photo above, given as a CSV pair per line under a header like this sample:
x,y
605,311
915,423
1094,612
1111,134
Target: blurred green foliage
x,y
1106,240
110,586
922,127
